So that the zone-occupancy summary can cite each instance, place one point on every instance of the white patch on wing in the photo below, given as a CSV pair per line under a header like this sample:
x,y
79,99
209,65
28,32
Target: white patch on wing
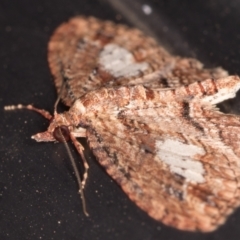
x,y
180,158
120,62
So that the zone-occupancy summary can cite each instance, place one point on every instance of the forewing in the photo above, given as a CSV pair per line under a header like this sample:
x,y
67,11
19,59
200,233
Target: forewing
x,y
173,180
76,46
175,161
87,53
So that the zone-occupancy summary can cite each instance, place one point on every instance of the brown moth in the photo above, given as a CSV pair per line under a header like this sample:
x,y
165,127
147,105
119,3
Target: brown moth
x,y
150,119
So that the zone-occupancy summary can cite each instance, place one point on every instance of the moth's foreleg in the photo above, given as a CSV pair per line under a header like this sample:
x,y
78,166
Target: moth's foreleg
x,y
80,149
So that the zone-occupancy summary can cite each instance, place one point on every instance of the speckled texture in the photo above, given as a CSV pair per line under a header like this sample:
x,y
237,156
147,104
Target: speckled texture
x,y
124,124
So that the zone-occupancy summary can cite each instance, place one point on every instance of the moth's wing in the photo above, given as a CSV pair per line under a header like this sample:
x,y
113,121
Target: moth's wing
x,y
74,55
87,53
185,71
155,172
181,168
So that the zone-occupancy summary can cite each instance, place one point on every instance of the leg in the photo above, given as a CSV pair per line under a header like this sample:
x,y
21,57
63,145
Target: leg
x,y
77,175
80,149
44,113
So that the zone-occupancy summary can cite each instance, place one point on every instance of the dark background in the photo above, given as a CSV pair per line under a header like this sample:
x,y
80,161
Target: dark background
x,y
38,190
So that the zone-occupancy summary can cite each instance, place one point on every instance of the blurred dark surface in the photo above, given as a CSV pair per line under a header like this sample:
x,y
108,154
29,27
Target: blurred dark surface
x,y
38,191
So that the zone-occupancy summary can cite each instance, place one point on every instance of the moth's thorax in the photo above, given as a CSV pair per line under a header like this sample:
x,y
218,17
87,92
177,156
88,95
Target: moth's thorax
x,y
76,113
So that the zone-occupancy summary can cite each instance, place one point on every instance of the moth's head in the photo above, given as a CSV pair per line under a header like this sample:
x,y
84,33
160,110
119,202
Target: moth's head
x,y
58,129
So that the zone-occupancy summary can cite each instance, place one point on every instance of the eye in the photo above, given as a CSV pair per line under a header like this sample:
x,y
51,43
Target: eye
x,y
61,131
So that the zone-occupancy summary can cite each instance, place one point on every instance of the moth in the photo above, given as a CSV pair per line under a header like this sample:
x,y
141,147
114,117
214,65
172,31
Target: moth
x,y
151,120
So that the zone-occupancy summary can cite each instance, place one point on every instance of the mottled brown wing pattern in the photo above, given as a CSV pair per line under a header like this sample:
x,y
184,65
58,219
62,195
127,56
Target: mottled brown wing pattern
x,y
80,50
173,160
173,153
